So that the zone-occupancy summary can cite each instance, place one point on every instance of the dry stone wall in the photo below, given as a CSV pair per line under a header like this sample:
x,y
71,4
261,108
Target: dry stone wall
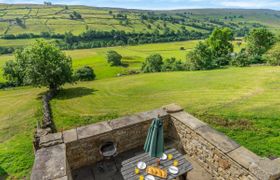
x,y
82,144
223,158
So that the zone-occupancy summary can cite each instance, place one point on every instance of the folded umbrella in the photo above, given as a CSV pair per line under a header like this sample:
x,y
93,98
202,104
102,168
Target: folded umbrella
x,y
154,144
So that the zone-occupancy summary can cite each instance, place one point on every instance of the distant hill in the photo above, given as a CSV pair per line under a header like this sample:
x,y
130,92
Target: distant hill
x,y
27,18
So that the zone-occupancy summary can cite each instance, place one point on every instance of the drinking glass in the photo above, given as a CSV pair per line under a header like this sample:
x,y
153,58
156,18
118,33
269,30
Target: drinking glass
x,y
175,163
169,156
137,171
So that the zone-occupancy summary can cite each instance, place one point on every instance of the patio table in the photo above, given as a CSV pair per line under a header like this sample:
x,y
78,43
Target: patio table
x,y
129,165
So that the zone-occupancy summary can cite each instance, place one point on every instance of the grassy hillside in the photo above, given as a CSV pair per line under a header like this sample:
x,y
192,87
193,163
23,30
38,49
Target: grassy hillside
x,y
17,121
56,19
133,56
241,102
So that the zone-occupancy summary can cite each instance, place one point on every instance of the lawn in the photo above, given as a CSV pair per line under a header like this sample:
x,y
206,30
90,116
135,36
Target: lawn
x,y
241,102
19,109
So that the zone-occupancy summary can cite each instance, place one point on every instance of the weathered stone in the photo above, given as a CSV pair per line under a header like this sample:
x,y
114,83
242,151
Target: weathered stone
x,y
92,130
188,119
172,108
244,157
218,139
125,121
63,178
224,164
50,163
51,139
266,169
70,135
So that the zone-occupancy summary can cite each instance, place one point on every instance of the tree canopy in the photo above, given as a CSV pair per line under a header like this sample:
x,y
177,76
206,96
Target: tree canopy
x,y
201,58
41,64
259,41
220,44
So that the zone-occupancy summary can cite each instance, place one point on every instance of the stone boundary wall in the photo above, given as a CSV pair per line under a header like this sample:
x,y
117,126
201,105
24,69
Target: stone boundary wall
x,y
222,157
48,125
82,143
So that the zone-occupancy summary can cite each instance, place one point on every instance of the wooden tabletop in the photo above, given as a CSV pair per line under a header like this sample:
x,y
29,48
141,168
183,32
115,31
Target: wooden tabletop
x,y
129,165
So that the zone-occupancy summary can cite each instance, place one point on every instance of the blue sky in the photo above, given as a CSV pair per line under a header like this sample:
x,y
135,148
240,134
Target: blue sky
x,y
166,4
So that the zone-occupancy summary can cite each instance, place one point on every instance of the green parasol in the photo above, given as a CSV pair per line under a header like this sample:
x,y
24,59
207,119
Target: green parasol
x,y
154,144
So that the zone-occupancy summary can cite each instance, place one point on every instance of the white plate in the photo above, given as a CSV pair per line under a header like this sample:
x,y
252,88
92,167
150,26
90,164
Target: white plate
x,y
149,177
141,165
163,157
173,170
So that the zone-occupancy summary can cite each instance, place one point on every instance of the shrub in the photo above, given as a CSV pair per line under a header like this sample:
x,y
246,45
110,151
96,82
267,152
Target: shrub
x,y
171,64
153,63
241,59
114,58
85,73
273,56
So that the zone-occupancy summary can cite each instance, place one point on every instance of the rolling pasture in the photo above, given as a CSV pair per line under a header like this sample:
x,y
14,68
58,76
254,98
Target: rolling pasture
x,y
133,56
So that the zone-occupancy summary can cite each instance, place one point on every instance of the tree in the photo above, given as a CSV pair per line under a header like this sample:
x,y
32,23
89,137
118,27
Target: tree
x,y
220,44
114,58
153,63
13,72
241,59
85,73
201,57
43,64
273,56
259,41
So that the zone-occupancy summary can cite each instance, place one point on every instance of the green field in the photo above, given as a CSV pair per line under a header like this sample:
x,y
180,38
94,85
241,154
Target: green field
x,y
241,102
133,56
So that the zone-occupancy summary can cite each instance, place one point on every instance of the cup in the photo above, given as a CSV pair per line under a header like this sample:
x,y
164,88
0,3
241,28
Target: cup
x,y
175,163
169,156
137,171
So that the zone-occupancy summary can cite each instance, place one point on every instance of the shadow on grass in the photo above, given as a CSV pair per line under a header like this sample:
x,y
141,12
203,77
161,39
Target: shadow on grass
x,y
3,174
74,93
125,65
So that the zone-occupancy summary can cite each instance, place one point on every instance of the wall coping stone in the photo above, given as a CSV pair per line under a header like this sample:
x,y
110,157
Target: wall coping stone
x,y
244,157
93,130
50,163
266,169
135,119
221,141
62,178
51,139
173,108
70,135
188,119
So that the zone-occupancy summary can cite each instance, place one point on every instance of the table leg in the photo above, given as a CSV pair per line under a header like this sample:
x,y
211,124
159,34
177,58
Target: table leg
x,y
182,177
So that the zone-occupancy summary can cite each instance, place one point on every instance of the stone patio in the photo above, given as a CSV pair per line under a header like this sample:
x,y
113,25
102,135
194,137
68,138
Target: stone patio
x,y
110,170
75,154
